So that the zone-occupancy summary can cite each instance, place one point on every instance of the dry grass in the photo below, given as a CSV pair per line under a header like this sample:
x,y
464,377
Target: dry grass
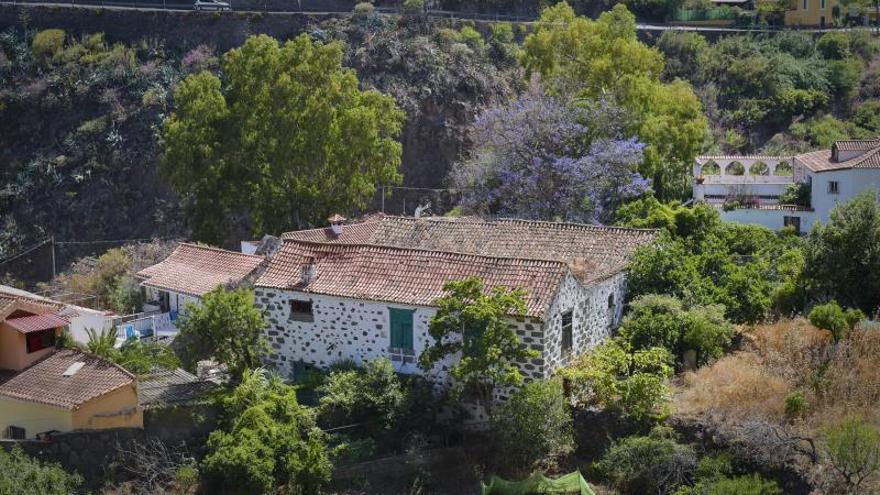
x,y
736,387
777,359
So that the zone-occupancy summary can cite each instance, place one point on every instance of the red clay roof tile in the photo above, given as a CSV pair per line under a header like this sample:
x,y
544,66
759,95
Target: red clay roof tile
x,y
196,270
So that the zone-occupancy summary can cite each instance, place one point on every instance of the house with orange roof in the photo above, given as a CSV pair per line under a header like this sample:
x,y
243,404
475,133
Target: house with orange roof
x,y
364,290
747,189
43,389
184,277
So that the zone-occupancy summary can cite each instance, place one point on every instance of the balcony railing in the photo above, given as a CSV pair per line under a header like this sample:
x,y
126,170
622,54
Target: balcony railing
x,y
150,327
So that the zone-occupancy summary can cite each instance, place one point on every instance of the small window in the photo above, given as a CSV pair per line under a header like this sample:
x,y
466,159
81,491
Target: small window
x,y
833,187
793,222
610,301
566,332
805,4
301,310
822,4
37,341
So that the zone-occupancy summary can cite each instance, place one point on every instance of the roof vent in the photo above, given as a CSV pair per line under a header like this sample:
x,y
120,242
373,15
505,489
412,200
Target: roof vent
x,y
73,368
308,271
336,222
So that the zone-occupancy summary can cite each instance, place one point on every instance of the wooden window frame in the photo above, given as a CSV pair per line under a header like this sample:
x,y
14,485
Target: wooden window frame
x,y
567,329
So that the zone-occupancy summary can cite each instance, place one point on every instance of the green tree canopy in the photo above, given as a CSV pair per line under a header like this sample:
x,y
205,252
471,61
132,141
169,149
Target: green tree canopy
x,y
604,58
841,254
24,475
473,323
227,327
285,137
268,440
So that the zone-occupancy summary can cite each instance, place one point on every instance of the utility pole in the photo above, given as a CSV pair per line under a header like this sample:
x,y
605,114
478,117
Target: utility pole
x,y
52,241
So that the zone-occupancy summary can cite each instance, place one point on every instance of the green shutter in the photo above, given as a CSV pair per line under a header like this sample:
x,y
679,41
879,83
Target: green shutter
x,y
401,328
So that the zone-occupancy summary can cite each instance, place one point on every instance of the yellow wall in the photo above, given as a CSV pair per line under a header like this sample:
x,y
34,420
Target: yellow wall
x,y
34,418
118,409
13,349
812,15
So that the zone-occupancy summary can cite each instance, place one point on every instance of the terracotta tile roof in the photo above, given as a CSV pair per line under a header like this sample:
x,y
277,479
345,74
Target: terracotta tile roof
x,y
406,276
821,161
195,269
857,144
44,381
35,323
12,299
604,250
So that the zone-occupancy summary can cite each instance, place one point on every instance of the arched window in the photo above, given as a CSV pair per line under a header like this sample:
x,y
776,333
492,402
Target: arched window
x,y
710,168
759,168
735,168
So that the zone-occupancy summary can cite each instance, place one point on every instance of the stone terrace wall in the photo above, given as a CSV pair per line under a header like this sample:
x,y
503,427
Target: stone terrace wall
x,y
176,28
91,453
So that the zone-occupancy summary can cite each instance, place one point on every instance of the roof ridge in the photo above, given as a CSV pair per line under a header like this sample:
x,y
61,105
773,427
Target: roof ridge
x,y
521,220
214,248
347,245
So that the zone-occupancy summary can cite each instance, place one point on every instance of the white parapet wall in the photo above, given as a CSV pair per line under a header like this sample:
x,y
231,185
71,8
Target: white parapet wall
x,y
770,218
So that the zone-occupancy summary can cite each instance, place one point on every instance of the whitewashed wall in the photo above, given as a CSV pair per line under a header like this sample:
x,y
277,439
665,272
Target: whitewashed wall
x,y
851,183
176,301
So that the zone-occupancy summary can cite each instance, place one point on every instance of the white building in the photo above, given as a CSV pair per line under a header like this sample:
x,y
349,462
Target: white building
x,y
366,290
79,318
746,189
184,277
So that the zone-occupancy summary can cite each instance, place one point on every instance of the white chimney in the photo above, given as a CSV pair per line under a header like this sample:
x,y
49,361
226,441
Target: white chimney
x,y
336,222
308,271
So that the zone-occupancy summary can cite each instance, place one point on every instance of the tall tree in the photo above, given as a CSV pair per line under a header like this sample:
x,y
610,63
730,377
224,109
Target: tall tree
x,y
605,58
227,327
842,255
471,325
546,157
285,137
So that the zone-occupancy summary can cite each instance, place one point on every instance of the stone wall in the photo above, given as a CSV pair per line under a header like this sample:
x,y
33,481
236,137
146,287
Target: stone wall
x,y
177,29
593,320
91,453
358,330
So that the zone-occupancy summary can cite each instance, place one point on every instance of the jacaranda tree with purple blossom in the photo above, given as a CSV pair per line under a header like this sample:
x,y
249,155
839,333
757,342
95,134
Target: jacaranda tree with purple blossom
x,y
547,158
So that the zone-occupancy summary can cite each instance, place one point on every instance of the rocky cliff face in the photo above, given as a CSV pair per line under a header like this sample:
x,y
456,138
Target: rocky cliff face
x,y
78,146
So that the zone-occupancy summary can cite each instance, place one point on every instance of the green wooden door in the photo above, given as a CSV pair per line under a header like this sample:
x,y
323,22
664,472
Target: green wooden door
x,y
401,328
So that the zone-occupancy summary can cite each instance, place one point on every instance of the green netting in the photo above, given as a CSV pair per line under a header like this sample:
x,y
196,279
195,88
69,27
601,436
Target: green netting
x,y
572,483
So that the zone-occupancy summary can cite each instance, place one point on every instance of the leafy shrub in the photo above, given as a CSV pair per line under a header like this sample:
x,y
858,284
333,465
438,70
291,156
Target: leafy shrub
x,y
363,10
648,464
795,405
413,6
631,382
740,485
853,447
662,321
372,395
268,440
47,43
472,38
526,441
832,317
24,475
834,45
798,193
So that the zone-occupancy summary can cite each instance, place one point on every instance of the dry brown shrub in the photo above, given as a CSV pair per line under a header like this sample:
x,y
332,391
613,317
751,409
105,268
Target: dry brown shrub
x,y
790,348
736,387
853,375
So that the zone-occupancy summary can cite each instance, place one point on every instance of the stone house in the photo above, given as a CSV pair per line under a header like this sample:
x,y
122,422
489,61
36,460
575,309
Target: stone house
x,y
755,183
366,290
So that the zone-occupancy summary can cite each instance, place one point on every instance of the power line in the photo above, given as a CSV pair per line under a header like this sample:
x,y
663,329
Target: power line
x,y
19,255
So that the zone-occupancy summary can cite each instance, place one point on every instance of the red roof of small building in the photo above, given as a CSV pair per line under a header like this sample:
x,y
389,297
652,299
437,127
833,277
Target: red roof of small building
x,y
14,299
406,276
195,270
45,382
35,323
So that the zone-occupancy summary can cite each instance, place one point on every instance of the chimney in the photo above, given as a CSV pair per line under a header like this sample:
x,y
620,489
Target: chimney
x,y
308,271
336,222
